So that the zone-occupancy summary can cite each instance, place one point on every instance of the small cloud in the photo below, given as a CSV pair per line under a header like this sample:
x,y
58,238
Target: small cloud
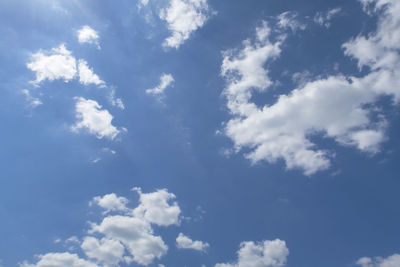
x,y
324,18
165,81
87,76
117,102
87,35
184,242
33,102
289,20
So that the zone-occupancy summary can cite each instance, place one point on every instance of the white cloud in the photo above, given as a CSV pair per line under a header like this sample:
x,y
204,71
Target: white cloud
x,y
183,18
57,63
107,251
60,260
324,18
137,236
87,35
263,254
32,101
289,20
96,120
87,76
165,81
283,129
184,242
391,261
117,102
111,202
155,207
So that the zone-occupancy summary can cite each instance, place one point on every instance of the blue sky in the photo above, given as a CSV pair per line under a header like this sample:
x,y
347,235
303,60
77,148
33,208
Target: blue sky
x,y
200,133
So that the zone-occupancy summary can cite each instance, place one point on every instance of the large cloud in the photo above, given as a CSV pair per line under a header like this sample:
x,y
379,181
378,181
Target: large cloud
x,y
183,18
263,254
334,107
96,120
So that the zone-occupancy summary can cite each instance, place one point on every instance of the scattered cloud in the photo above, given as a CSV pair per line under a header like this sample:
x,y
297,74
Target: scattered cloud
x,y
289,20
184,242
391,261
264,254
184,17
283,129
60,260
324,18
117,102
32,101
96,120
87,76
87,35
57,63
165,81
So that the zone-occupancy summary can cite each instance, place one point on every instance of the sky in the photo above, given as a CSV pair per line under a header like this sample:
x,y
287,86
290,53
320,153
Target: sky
x,y
219,133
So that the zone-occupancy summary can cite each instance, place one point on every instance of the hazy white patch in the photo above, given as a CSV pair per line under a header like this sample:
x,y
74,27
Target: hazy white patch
x,y
87,35
165,81
184,242
96,120
183,17
54,64
87,76
324,18
33,102
117,102
264,254
289,20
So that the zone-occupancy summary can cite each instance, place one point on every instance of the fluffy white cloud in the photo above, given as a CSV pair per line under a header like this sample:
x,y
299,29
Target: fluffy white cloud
x,y
184,242
183,18
57,63
87,76
106,251
87,35
155,207
263,254
60,260
324,18
96,120
289,20
391,261
137,236
165,81
111,202
283,129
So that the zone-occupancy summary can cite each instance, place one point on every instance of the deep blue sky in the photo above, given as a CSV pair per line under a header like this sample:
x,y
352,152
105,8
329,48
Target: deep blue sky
x,y
330,218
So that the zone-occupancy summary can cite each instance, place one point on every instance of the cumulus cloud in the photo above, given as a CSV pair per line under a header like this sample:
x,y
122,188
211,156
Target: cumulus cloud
x,y
97,121
283,129
60,260
289,20
157,207
87,35
391,261
184,242
87,76
120,238
165,81
57,63
183,17
110,202
324,18
264,254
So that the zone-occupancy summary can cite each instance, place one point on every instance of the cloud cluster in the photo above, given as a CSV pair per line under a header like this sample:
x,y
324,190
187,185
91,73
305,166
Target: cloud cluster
x,y
185,242
124,235
335,107
263,254
97,121
184,17
391,261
